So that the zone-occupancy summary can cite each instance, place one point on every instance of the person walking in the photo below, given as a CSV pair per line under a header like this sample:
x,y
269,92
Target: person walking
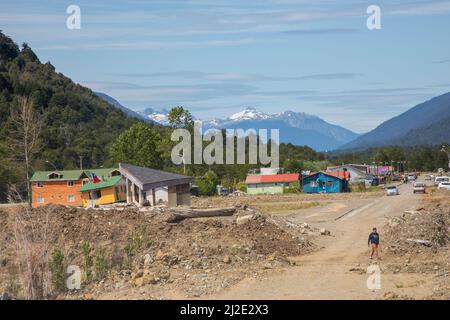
x,y
374,243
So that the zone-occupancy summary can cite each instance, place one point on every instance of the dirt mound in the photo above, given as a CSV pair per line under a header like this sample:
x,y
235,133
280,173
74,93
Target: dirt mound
x,y
141,249
419,242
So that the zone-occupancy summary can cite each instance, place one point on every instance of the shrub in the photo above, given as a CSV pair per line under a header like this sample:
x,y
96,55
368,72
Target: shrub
x,y
101,265
57,270
86,248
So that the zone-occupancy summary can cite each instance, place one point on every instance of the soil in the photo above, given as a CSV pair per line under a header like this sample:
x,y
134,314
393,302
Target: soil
x,y
275,247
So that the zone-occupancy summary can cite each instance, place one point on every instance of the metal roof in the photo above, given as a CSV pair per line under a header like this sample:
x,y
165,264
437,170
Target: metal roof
x,y
147,178
71,174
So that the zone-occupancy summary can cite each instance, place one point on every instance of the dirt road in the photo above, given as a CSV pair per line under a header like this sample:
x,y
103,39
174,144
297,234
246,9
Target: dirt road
x,y
325,274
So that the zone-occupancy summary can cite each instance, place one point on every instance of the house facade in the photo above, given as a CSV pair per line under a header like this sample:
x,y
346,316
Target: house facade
x,y
325,182
149,186
62,186
270,183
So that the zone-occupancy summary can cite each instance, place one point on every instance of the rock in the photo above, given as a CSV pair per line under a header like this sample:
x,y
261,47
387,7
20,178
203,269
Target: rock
x,y
145,279
267,266
5,296
227,259
244,219
159,255
88,296
389,295
148,260
324,232
436,268
163,275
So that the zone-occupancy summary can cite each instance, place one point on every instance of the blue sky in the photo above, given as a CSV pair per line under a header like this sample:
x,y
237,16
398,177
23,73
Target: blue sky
x,y
218,57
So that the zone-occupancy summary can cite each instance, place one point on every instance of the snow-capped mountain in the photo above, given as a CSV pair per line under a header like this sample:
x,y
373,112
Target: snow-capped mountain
x,y
295,127
161,117
248,114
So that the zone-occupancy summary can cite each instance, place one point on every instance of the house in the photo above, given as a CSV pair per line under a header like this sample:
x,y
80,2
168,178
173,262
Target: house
x,y
62,186
326,182
358,172
270,183
144,185
110,189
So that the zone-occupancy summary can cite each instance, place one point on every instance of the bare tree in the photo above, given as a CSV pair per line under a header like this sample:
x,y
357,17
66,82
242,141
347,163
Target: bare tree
x,y
32,247
24,140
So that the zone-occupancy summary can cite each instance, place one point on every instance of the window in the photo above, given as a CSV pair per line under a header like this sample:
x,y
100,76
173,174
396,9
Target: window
x,y
40,184
70,183
85,181
70,198
330,183
96,194
40,199
59,196
52,197
313,184
54,175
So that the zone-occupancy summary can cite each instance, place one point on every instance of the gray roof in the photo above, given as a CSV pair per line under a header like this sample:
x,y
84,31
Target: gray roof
x,y
147,178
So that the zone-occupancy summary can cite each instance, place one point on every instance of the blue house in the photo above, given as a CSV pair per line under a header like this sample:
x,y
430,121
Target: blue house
x,y
325,182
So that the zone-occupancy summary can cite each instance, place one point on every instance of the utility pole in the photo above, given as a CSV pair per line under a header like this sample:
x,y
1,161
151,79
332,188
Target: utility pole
x,y
81,162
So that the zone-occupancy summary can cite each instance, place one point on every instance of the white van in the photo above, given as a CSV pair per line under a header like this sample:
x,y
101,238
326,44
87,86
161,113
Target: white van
x,y
438,180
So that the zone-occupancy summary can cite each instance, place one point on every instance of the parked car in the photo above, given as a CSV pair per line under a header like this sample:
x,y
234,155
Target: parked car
x,y
412,177
444,185
440,179
392,191
419,187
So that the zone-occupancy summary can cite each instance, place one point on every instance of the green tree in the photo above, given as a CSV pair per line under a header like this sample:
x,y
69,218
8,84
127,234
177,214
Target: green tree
x,y
207,183
139,145
181,118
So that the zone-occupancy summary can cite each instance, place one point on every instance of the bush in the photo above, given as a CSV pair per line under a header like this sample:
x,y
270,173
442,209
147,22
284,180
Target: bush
x,y
101,265
241,186
207,183
134,244
86,248
292,188
58,271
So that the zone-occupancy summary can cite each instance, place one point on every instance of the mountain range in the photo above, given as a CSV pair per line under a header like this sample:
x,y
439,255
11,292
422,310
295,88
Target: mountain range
x,y
297,128
426,123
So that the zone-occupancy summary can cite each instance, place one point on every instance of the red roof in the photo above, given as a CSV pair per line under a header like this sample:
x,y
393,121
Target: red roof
x,y
270,178
343,175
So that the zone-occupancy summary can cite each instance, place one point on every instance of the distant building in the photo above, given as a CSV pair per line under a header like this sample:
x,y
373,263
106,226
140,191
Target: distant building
x,y
62,186
270,183
145,185
326,182
357,172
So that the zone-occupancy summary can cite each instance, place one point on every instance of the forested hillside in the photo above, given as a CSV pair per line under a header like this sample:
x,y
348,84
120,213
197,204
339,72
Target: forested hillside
x,y
75,122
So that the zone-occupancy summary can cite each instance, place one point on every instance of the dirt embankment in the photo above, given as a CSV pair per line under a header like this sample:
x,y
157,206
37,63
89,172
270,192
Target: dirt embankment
x,y
143,256
419,242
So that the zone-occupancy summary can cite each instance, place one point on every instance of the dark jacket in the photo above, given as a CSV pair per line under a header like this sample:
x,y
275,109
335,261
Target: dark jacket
x,y
374,237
